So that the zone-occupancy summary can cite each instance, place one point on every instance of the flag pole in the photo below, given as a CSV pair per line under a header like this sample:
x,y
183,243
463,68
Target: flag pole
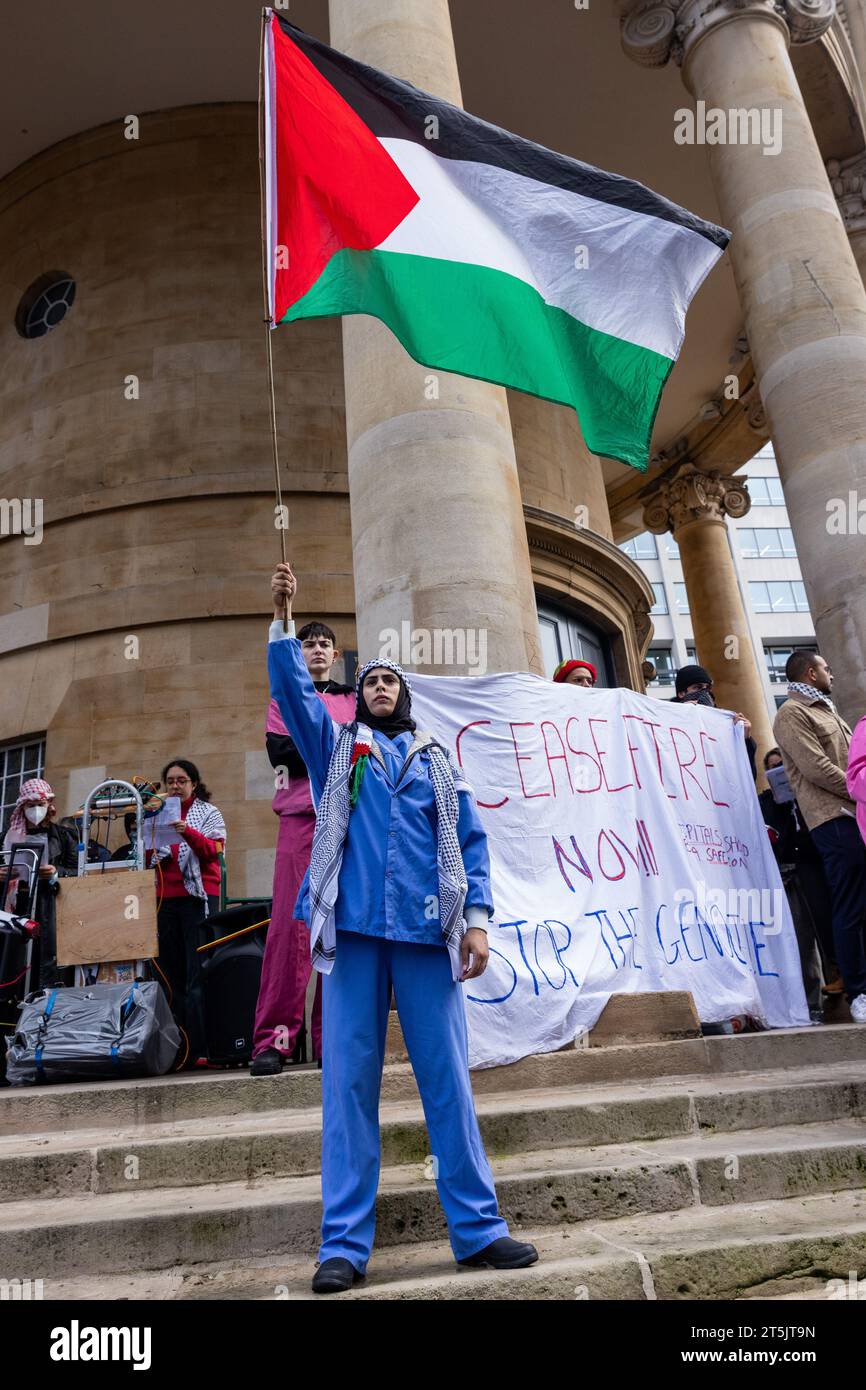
x,y
266,269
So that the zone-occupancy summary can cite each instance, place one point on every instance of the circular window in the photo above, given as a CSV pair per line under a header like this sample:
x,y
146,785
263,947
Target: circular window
x,y
45,304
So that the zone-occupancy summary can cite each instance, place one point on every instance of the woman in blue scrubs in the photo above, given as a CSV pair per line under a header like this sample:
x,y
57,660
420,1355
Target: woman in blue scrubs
x,y
397,896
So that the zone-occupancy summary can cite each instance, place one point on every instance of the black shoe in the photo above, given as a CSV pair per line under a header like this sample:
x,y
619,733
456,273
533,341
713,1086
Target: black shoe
x,y
318,1064
268,1063
503,1253
335,1276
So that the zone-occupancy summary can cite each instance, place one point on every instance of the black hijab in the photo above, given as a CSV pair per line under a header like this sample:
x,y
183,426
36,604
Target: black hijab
x,y
400,720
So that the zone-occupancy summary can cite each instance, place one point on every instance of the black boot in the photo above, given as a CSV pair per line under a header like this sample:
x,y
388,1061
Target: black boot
x,y
335,1276
268,1063
503,1253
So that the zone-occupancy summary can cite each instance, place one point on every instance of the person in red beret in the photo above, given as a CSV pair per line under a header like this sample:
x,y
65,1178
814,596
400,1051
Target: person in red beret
x,y
576,673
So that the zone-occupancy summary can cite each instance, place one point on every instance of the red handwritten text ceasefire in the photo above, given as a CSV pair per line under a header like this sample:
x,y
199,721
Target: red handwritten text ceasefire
x,y
585,755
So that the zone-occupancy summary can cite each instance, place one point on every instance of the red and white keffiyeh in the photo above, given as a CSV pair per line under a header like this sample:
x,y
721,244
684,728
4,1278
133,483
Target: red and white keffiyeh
x,y
34,789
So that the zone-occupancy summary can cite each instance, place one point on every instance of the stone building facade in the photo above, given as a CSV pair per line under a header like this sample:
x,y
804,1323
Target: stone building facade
x,y
134,632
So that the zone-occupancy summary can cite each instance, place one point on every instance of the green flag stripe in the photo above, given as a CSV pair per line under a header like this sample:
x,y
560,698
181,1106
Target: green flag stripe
x,y
486,324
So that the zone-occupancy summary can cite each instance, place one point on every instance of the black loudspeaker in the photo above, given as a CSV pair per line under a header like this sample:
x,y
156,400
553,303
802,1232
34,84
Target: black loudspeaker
x,y
231,974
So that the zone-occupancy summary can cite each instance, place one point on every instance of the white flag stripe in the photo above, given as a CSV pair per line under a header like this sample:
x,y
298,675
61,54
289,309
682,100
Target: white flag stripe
x,y
641,272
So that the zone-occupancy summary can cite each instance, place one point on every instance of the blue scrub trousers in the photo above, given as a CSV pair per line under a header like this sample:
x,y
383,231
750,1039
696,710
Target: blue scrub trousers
x,y
355,1002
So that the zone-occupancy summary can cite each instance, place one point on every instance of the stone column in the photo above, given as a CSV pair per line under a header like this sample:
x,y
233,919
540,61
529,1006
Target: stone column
x,y
802,296
693,505
437,524
848,182
557,472
855,15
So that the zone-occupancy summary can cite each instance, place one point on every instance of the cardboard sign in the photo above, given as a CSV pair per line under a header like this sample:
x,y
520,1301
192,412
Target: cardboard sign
x,y
104,917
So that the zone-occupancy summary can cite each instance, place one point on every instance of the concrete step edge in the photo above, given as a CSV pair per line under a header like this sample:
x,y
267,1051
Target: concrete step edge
x,y
528,1166
778,1049
87,1127
427,1270
307,1120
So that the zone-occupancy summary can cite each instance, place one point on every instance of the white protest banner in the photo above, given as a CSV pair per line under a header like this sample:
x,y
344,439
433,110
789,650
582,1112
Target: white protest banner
x,y
627,853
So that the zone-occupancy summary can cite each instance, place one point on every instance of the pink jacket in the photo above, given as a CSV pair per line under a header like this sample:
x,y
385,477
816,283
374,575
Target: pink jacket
x,y
857,773
296,798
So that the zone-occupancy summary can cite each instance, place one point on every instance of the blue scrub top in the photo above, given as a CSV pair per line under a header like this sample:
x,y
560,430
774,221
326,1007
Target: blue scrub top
x,y
388,884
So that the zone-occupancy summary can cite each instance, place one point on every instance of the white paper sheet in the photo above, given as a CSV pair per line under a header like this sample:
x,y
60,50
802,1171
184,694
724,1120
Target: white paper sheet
x,y
159,830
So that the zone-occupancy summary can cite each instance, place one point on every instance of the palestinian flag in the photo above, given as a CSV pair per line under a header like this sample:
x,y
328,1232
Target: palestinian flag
x,y
484,253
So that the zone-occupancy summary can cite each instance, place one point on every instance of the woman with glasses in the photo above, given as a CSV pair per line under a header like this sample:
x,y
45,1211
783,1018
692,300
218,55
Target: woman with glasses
x,y
188,891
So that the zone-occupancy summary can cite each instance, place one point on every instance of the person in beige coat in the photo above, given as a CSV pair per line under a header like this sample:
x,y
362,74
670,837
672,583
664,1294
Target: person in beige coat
x,y
814,741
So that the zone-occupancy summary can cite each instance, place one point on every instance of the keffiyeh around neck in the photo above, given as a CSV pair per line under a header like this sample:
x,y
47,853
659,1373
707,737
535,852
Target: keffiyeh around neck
x,y
400,721
811,692
207,820
332,828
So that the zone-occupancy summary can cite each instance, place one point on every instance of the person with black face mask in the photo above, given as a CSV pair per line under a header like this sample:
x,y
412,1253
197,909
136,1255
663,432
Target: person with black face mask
x,y
694,685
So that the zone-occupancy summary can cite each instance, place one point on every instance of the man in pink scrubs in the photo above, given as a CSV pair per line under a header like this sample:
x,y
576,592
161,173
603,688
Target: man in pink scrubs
x,y
286,966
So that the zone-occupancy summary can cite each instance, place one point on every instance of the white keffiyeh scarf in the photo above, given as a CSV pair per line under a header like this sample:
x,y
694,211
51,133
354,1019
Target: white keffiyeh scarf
x,y
207,820
811,692
332,826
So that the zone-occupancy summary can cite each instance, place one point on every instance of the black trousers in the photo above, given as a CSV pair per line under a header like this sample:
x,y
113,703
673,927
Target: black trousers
x,y
48,972
179,934
815,889
844,857
807,939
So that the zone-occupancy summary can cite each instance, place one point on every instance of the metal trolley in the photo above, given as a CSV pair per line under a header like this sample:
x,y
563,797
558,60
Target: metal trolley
x,y
97,801
108,800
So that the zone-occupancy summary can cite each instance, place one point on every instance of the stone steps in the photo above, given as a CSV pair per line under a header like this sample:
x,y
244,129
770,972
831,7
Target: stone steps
x,y
157,1228
161,1100
775,1250
287,1143
694,1151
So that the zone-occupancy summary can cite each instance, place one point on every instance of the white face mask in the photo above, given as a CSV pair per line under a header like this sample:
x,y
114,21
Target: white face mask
x,y
36,814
